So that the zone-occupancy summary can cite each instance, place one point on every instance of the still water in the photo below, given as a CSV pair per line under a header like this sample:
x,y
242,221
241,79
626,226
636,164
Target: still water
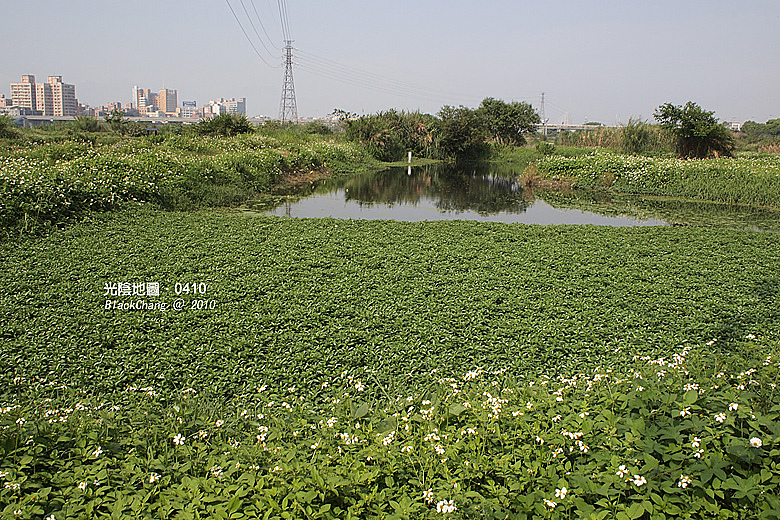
x,y
494,193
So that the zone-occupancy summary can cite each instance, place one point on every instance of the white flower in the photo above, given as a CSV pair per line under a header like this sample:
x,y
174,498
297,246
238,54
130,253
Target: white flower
x,y
82,485
696,442
684,481
550,503
154,477
179,439
756,442
639,480
98,451
720,417
622,471
733,407
685,412
219,423
428,496
561,493
446,506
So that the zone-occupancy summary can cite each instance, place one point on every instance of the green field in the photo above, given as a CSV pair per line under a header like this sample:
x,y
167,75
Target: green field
x,y
346,369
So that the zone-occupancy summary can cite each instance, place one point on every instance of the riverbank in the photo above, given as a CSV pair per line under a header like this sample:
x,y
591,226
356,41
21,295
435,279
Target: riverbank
x,y
43,186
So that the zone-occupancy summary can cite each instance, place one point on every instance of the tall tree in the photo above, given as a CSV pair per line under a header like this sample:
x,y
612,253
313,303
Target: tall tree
x,y
696,132
462,133
507,122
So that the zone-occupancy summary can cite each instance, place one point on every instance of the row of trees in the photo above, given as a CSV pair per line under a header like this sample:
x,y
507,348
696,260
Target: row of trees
x,y
455,132
461,132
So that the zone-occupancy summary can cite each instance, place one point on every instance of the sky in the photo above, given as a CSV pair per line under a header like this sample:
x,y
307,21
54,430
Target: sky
x,y
594,60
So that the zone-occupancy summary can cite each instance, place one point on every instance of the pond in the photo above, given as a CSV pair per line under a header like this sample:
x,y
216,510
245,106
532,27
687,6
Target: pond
x,y
493,192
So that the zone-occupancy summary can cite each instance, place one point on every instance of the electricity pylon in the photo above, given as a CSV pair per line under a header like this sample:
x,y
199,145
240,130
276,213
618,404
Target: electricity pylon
x,y
288,109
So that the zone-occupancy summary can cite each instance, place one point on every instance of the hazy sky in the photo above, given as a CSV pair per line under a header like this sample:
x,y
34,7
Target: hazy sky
x,y
597,60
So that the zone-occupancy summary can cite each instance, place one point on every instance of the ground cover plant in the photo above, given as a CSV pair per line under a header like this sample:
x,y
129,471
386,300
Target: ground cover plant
x,y
750,179
376,369
45,185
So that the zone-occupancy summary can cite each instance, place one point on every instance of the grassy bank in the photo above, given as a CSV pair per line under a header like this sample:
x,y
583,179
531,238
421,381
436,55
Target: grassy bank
x,y
749,179
44,184
376,369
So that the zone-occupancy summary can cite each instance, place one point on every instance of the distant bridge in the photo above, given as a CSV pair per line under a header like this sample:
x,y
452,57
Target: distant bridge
x,y
553,128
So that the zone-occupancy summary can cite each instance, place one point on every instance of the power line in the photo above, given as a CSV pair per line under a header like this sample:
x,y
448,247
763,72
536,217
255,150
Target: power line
x,y
248,38
270,40
255,29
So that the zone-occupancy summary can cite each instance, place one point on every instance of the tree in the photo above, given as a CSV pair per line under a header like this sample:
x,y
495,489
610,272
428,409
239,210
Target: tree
x,y
761,131
696,132
462,133
115,120
7,131
506,122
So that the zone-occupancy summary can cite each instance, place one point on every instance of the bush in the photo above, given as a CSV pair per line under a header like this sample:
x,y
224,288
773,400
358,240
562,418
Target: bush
x,y
225,125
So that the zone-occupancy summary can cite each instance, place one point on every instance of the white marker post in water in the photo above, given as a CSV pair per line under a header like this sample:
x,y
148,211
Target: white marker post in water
x,y
410,157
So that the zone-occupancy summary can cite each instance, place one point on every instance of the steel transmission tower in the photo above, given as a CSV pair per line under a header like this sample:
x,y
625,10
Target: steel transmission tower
x,y
288,109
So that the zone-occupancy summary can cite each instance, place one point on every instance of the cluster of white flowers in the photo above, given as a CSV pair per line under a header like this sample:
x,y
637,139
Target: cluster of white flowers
x,y
684,481
446,506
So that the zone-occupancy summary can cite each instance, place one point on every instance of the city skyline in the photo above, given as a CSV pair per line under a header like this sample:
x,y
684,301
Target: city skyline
x,y
601,61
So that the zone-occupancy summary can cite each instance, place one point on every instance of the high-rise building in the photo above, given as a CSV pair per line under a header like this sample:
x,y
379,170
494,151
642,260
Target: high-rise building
x,y
53,98
63,97
236,106
44,101
167,101
145,100
23,93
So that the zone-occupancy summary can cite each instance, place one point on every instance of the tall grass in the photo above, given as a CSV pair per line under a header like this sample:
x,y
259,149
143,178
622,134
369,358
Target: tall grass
x,y
636,136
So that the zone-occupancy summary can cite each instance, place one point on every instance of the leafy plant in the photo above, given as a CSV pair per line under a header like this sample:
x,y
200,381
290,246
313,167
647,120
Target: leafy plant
x,y
696,131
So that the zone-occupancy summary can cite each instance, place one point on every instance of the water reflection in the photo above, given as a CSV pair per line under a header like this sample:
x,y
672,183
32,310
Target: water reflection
x,y
449,189
493,192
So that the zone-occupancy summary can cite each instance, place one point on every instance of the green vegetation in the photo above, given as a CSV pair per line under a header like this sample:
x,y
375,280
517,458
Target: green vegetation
x,y
45,185
697,133
507,123
375,369
388,136
751,180
225,125
762,131
458,133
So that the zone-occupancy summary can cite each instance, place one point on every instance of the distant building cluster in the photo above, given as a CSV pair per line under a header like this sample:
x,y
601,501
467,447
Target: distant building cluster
x,y
53,98
57,99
